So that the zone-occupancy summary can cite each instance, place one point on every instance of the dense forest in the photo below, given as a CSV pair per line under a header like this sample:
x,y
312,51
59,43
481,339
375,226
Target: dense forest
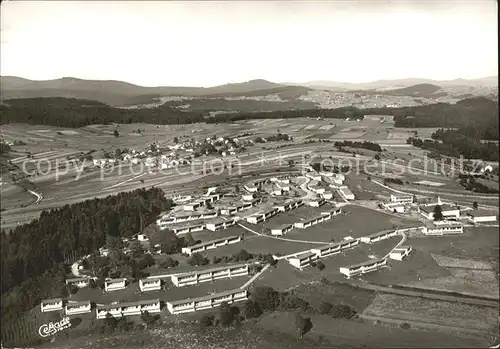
x,y
33,254
455,143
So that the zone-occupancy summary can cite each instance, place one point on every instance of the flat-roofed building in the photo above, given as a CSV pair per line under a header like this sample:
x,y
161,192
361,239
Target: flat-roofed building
x,y
378,236
115,284
128,309
481,216
205,275
394,207
289,205
443,228
447,211
283,186
248,197
207,302
259,217
363,268
73,308
334,248
79,282
309,222
146,285
277,192
188,227
327,195
302,260
401,198
251,188
219,224
208,245
400,252
314,176
53,304
332,213
346,192
192,206
282,229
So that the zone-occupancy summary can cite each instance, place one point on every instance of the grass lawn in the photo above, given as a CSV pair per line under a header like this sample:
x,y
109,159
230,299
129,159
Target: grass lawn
x,y
434,312
351,333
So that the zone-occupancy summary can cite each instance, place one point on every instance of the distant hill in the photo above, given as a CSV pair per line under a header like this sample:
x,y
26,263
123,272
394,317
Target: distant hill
x,y
420,90
337,86
119,93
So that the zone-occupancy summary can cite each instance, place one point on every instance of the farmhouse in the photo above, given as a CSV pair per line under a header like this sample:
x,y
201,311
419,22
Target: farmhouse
x,y
206,302
400,253
73,308
363,268
346,193
149,285
379,236
402,198
481,216
220,223
208,245
333,248
282,229
115,284
443,228
302,260
79,282
448,211
197,276
51,304
128,309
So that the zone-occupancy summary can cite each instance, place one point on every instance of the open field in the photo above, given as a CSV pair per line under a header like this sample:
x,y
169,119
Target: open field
x,y
13,196
351,333
460,317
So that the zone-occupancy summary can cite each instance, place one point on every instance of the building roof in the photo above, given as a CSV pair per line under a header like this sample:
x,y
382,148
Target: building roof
x,y
401,195
444,207
127,304
205,243
379,233
368,262
83,278
187,224
304,255
283,226
204,298
443,224
52,300
345,190
333,244
77,304
223,267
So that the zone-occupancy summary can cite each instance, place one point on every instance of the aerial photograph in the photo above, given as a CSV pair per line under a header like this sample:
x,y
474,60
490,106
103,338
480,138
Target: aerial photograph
x,y
249,174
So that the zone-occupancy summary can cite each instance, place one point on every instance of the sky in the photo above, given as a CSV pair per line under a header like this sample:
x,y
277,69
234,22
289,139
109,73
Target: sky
x,y
212,43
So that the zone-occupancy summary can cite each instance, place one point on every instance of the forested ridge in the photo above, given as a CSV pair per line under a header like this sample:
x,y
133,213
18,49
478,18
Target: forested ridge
x,y
475,117
33,254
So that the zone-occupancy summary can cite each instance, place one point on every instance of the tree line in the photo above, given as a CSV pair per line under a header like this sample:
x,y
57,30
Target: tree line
x,y
34,254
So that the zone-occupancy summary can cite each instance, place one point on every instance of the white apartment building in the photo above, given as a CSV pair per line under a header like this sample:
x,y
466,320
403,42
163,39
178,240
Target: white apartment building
x,y
206,302
248,197
394,207
316,202
289,205
400,253
448,211
314,176
480,216
115,284
149,285
251,188
127,309
302,260
346,193
363,268
283,186
208,245
220,224
205,275
79,282
402,198
262,216
189,227
73,308
54,304
379,236
306,223
192,206
282,229
443,228
327,195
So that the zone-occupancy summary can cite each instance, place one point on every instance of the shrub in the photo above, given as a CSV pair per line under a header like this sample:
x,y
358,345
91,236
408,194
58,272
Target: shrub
x,y
207,320
405,326
251,309
320,265
325,308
